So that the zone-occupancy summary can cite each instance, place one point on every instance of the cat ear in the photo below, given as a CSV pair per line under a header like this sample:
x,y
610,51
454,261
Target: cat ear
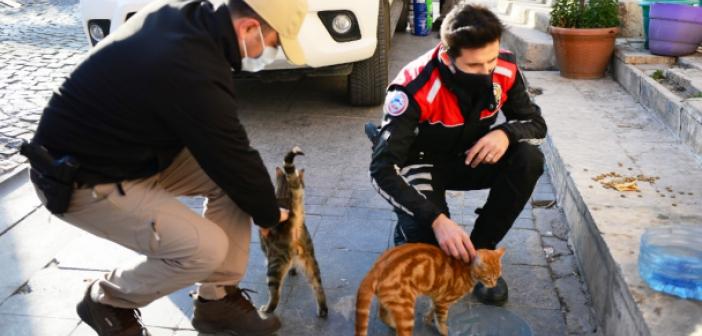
x,y
501,251
278,172
302,176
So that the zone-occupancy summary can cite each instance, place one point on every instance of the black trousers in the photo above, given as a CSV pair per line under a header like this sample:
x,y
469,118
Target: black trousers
x,y
511,182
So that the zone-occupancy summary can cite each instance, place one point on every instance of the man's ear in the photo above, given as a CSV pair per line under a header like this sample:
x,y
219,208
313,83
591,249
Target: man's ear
x,y
246,28
278,172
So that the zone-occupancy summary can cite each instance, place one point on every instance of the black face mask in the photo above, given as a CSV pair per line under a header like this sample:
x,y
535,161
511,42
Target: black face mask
x,y
474,85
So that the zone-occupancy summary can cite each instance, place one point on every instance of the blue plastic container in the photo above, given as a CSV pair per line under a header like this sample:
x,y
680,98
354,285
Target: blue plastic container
x,y
422,17
670,260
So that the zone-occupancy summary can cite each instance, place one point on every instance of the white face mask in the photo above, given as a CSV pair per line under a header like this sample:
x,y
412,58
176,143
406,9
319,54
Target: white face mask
x,y
257,64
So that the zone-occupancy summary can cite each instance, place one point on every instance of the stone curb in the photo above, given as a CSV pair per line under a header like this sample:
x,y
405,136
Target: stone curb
x,y
614,306
12,174
682,116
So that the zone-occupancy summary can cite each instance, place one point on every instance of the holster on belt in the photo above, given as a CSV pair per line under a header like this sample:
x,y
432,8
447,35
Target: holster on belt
x,y
54,178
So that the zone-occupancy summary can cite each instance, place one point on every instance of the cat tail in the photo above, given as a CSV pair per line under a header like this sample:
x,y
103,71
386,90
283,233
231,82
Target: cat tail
x,y
289,166
364,298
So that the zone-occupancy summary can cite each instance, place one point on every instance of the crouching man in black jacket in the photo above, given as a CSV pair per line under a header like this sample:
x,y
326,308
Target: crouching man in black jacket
x,y
437,134
148,116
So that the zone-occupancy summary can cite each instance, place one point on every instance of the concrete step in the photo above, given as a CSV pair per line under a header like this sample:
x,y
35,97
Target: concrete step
x,y
692,61
688,79
525,13
527,35
596,127
542,21
665,88
534,49
530,14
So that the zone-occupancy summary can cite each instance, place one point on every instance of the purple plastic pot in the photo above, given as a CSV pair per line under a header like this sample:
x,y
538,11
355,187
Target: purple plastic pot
x,y
674,30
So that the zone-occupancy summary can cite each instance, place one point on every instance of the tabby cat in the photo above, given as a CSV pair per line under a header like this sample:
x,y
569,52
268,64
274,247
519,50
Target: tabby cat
x,y
407,271
289,244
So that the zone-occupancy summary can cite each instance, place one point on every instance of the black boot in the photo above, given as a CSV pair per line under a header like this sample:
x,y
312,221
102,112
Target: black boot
x,y
110,321
496,296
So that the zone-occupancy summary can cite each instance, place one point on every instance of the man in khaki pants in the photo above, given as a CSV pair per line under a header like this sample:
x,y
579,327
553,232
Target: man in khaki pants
x,y
150,115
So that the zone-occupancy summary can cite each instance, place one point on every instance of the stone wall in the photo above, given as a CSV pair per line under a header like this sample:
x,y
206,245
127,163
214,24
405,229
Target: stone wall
x,y
632,18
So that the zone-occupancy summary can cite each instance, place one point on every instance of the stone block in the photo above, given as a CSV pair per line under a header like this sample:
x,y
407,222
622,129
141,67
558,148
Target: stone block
x,y
664,103
635,54
629,77
534,49
691,125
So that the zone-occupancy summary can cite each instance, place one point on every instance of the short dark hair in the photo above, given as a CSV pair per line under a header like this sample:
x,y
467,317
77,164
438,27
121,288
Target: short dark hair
x,y
469,26
239,8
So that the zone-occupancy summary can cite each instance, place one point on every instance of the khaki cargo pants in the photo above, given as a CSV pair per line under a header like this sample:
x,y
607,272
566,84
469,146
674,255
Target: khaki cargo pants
x,y
181,246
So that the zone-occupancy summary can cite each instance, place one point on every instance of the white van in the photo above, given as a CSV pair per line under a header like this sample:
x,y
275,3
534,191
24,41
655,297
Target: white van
x,y
339,37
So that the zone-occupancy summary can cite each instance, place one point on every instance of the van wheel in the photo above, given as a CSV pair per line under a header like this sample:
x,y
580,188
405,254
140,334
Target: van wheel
x,y
369,78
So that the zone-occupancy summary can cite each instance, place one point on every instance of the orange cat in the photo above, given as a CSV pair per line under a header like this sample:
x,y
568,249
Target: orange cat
x,y
407,271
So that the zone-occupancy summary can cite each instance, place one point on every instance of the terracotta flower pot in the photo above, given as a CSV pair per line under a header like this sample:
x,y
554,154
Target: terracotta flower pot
x,y
583,53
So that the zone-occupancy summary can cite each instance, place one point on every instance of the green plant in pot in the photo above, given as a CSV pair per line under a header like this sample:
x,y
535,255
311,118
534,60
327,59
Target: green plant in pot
x,y
584,33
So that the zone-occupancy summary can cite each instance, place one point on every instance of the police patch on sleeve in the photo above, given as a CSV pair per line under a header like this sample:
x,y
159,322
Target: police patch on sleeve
x,y
396,103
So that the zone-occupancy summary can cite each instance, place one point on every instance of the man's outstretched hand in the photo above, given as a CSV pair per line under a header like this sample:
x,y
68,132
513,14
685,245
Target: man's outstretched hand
x,y
452,239
284,213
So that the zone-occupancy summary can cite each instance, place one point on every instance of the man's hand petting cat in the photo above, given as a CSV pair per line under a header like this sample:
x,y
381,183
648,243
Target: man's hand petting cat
x,y
284,213
452,239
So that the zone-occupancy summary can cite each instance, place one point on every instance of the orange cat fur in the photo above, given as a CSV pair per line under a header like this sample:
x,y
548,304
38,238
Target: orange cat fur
x,y
403,273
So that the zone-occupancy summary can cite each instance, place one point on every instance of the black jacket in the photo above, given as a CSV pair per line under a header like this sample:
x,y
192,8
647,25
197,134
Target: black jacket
x,y
159,84
429,120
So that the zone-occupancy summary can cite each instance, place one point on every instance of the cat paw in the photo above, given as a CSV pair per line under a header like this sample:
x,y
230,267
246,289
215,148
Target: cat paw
x,y
322,312
267,309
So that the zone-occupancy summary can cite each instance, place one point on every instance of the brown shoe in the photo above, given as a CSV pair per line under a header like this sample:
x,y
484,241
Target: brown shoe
x,y
234,313
110,321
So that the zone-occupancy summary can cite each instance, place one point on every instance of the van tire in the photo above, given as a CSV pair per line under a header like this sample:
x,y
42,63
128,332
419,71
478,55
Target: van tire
x,y
369,78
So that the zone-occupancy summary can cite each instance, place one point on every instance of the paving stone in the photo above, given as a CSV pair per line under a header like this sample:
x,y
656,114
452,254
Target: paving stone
x,y
523,248
550,222
85,330
51,292
558,247
578,315
543,321
15,325
104,255
530,286
19,255
299,320
522,223
564,265
359,235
